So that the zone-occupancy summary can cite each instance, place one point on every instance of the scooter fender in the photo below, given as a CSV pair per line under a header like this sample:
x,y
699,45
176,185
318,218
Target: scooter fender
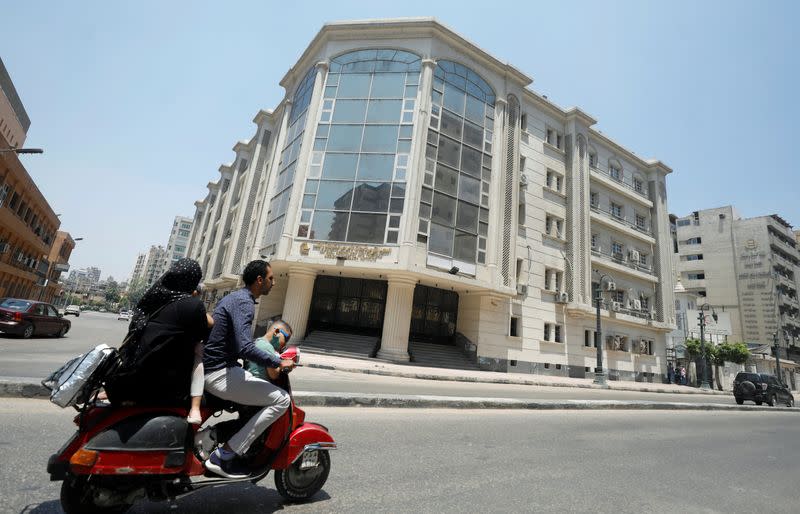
x,y
306,437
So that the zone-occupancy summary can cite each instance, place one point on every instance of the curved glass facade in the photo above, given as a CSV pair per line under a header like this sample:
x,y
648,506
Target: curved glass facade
x,y
356,182
454,207
279,202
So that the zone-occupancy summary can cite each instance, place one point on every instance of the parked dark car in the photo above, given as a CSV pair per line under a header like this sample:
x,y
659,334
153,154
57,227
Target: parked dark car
x,y
761,388
27,318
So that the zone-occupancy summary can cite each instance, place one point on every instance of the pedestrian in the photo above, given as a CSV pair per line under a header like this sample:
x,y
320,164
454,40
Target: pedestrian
x,y
683,375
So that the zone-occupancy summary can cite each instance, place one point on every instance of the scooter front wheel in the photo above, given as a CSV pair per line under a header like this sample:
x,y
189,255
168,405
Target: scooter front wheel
x,y
300,482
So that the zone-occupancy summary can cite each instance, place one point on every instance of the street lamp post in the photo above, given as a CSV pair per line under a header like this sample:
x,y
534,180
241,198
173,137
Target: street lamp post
x,y
701,318
777,356
21,150
599,374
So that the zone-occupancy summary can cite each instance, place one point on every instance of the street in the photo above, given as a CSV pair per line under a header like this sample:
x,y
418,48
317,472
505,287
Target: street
x,y
482,461
37,357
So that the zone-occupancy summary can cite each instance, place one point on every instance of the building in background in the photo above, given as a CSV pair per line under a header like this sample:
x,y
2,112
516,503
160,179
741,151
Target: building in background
x,y
748,269
149,266
410,188
28,224
59,263
178,240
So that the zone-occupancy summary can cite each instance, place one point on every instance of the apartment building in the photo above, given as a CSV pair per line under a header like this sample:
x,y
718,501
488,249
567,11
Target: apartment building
x,y
745,266
411,187
28,224
178,240
149,265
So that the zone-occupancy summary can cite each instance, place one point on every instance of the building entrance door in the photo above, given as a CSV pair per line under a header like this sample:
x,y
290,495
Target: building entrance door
x,y
434,315
348,304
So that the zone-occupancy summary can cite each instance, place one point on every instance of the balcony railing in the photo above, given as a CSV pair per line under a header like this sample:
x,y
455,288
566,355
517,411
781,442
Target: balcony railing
x,y
624,261
644,228
624,182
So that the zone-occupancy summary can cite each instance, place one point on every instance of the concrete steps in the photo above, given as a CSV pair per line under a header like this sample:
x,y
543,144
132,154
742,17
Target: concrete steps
x,y
440,356
339,344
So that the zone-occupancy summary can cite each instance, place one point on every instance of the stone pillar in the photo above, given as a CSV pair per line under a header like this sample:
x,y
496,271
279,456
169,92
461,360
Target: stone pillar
x,y
298,299
397,319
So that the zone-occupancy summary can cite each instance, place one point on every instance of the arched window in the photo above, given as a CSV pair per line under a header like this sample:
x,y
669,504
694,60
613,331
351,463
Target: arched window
x,y
592,157
356,183
454,208
291,150
615,169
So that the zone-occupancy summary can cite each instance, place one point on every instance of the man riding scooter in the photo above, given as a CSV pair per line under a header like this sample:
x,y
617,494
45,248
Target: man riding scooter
x,y
230,340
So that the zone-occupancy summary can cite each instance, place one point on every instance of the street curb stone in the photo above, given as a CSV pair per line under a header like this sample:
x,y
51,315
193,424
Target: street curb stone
x,y
11,387
507,381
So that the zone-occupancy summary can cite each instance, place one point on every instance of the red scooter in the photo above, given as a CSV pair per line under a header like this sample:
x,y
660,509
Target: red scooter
x,y
123,454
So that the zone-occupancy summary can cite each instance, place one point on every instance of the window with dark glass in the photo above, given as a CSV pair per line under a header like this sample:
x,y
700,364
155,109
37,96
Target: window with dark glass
x,y
276,216
356,185
454,207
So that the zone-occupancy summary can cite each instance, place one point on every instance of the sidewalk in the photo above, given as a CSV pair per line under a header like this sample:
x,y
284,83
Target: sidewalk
x,y
376,367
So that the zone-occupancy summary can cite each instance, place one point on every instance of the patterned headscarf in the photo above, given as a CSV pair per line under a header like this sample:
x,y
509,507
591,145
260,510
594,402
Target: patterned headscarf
x,y
180,281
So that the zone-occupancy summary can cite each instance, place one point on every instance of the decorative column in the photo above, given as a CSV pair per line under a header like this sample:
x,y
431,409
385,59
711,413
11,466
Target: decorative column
x,y
397,319
298,299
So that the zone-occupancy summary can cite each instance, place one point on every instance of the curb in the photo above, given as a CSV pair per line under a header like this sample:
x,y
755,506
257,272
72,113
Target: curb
x,y
313,399
615,386
11,387
21,388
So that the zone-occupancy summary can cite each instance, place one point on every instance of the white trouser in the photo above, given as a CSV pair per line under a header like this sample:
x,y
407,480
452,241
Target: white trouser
x,y
239,385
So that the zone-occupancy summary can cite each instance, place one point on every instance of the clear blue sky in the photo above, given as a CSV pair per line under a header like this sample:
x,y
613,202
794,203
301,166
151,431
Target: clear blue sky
x,y
138,103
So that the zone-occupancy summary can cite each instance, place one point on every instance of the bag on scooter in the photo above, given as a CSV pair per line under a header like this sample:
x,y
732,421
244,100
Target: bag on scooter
x,y
75,381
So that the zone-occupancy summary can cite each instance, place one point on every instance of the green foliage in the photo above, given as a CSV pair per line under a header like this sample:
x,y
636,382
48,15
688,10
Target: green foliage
x,y
719,354
136,290
735,352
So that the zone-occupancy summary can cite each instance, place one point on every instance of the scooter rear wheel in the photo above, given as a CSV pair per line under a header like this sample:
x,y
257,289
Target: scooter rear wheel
x,y
77,498
297,484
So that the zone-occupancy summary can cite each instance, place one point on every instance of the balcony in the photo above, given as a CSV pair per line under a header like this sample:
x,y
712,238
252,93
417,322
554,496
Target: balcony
x,y
623,223
624,186
782,259
625,265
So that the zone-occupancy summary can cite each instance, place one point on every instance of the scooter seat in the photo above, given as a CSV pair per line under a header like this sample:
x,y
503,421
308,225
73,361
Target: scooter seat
x,y
216,403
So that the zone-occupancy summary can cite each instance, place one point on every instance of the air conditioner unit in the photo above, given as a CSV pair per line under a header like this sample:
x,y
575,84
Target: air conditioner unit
x,y
637,305
616,306
523,180
611,286
562,297
633,255
522,289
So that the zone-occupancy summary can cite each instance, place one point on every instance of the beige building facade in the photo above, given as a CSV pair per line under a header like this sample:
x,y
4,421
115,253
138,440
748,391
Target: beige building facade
x,y
413,187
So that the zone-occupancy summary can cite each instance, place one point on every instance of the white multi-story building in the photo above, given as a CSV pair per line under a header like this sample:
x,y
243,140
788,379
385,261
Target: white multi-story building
x,y
150,265
412,186
178,240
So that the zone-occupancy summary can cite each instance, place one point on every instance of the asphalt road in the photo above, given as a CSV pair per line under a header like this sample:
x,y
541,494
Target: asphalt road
x,y
481,461
37,357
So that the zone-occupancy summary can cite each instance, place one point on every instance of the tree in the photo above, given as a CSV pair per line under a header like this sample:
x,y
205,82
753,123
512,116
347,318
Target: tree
x,y
112,291
693,351
136,290
728,352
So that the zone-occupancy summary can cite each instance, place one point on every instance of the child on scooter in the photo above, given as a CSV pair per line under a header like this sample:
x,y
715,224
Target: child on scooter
x,y
274,341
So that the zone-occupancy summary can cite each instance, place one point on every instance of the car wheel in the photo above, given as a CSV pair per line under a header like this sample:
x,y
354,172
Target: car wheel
x,y
772,401
739,401
758,403
790,402
62,332
28,332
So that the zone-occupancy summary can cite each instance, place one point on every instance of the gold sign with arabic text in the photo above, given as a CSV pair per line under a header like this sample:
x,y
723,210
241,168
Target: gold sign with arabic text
x,y
352,253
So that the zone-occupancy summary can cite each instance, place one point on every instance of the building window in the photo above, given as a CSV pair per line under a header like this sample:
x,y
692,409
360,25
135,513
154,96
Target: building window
x,y
615,171
279,203
550,136
643,259
694,241
645,303
641,222
616,210
514,328
356,183
638,186
616,250
183,233
594,199
592,158
618,296
454,207
695,257
590,338
554,180
523,121
552,332
684,223
595,241
696,276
